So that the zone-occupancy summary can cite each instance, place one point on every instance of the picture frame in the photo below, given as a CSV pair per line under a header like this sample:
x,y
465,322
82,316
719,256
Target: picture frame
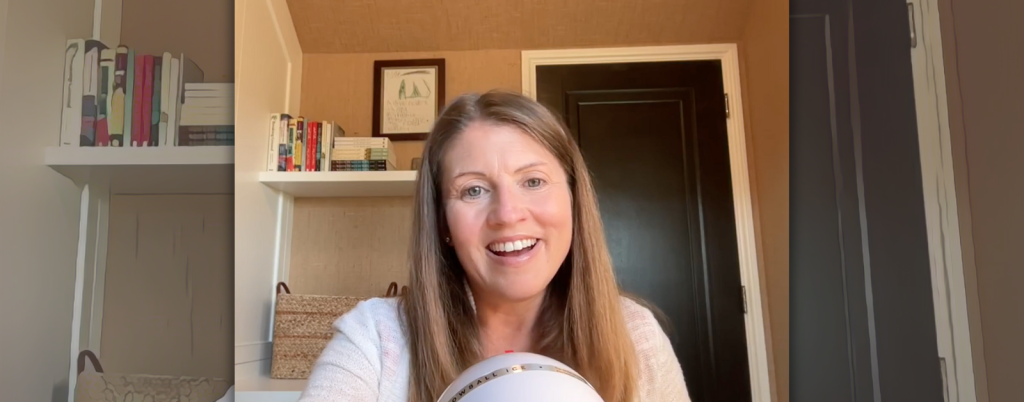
x,y
408,95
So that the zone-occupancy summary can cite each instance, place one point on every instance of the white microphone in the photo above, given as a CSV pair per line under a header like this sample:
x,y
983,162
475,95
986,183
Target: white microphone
x,y
516,377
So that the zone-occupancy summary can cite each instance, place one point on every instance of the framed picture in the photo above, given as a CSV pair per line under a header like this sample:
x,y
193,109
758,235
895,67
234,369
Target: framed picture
x,y
407,97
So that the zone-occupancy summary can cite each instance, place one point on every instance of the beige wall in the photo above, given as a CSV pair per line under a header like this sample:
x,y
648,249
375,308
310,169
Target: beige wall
x,y
983,77
167,305
765,61
39,208
339,87
202,29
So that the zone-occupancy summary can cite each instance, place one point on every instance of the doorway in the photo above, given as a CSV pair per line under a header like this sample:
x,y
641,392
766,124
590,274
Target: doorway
x,y
656,137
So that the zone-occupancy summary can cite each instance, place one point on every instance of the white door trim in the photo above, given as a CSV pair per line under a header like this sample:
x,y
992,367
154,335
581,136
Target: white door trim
x,y
728,54
939,191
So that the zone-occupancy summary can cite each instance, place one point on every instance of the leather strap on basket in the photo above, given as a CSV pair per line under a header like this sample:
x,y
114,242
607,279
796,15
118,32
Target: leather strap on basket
x,y
392,290
282,285
405,289
92,359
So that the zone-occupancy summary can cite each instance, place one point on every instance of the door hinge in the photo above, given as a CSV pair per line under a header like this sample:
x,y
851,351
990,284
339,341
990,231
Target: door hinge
x,y
913,26
726,106
743,291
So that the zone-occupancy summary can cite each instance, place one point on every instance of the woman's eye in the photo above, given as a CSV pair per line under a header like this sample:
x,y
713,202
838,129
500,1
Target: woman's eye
x,y
474,191
534,183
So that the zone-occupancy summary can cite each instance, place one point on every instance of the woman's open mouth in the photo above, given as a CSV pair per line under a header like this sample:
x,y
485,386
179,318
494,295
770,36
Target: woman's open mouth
x,y
512,248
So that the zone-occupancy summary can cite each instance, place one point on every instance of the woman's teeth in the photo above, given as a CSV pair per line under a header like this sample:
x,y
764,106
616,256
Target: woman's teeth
x,y
511,245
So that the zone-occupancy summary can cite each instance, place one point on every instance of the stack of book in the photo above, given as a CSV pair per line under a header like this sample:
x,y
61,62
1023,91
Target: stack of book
x,y
362,154
114,97
208,114
297,144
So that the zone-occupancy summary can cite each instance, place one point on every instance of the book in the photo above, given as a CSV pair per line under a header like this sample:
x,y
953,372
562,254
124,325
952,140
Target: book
x,y
104,103
90,92
154,110
300,136
129,99
118,97
146,111
165,99
137,96
293,127
272,142
71,113
172,98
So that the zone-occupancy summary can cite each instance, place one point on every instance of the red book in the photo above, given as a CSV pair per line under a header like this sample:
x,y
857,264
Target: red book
x,y
147,100
136,129
311,147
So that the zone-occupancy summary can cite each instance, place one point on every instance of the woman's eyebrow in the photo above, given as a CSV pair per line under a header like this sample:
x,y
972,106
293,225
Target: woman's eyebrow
x,y
520,169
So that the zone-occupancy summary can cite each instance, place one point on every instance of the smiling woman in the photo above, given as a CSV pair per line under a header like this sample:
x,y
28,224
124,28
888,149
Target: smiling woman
x,y
508,253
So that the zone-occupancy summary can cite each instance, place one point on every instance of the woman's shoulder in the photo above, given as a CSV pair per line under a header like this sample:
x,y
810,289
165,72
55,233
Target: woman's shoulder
x,y
377,318
643,326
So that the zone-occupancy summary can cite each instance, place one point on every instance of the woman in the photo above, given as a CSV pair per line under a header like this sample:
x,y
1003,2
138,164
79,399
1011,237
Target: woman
x,y
508,253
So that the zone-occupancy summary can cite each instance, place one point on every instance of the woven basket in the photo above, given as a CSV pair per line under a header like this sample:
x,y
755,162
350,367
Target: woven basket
x,y
303,326
97,386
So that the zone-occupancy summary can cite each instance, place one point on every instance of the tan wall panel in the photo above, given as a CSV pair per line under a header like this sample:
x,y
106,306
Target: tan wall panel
x,y
202,29
350,246
339,87
408,25
168,307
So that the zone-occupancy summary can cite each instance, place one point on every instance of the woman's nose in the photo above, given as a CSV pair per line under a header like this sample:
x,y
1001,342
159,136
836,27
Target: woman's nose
x,y
508,207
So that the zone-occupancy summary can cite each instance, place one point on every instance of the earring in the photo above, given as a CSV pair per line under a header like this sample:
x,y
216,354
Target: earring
x,y
448,239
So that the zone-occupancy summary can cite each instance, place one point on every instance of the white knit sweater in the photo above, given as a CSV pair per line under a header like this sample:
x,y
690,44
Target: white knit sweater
x,y
368,358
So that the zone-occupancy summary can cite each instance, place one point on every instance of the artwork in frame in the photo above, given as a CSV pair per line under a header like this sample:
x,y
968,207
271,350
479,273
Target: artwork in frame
x,y
408,95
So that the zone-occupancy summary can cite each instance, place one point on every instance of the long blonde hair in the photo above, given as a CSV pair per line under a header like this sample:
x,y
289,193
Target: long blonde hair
x,y
581,321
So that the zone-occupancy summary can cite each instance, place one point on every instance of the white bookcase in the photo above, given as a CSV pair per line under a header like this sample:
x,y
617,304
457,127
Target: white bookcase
x,y
103,172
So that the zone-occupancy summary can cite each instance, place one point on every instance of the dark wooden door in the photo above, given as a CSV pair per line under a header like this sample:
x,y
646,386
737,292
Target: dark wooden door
x,y
654,137
862,328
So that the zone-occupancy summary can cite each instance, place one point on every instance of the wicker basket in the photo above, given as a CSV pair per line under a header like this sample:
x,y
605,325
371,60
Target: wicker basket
x,y
97,386
303,326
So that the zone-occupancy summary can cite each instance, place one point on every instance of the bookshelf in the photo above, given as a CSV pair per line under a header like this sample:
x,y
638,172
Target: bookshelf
x,y
148,170
394,183
176,194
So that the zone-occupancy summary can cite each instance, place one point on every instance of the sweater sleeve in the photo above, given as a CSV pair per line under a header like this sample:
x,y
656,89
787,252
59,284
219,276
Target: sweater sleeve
x,y
661,375
349,367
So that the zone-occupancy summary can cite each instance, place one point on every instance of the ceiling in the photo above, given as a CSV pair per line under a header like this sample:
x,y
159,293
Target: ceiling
x,y
371,26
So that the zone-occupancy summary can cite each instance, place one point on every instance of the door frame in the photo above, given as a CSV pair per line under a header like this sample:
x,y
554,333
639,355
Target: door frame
x,y
949,288
746,241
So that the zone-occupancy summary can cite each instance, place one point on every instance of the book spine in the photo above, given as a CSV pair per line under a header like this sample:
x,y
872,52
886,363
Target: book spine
x,y
314,132
154,111
325,141
71,115
300,135
129,98
272,148
90,92
147,102
117,114
282,141
172,106
290,156
137,90
104,102
165,101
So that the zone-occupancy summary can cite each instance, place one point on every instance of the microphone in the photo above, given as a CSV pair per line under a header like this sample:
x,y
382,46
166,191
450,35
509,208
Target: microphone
x,y
516,377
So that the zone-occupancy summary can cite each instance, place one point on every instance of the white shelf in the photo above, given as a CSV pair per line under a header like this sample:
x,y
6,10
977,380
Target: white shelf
x,y
265,389
392,183
148,170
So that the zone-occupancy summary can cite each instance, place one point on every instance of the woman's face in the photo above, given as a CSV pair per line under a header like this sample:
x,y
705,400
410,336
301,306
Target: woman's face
x,y
509,210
